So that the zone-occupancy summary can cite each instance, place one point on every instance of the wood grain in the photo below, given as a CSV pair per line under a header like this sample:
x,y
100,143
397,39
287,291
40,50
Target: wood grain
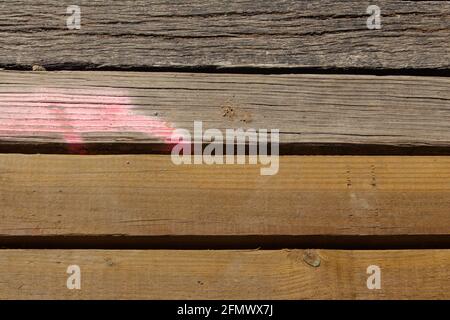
x,y
147,195
142,109
224,274
238,33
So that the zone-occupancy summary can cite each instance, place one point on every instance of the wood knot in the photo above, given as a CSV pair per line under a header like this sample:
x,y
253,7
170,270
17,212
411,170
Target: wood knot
x,y
109,262
311,258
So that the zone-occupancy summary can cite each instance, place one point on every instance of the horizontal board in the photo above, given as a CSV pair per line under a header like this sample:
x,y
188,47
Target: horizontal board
x,y
79,110
224,274
239,33
147,195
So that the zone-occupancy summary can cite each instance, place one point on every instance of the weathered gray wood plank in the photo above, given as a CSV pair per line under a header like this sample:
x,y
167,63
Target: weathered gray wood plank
x,y
238,33
144,108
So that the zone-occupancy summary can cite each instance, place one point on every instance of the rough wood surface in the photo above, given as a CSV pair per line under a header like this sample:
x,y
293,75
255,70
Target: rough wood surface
x,y
84,108
147,195
239,33
284,274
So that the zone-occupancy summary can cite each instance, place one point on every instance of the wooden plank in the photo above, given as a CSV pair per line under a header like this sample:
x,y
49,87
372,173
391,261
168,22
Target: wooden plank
x,y
147,195
143,109
224,274
239,33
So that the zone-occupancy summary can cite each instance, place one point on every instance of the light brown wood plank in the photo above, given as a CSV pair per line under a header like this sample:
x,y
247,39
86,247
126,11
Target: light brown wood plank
x,y
142,109
147,195
171,274
238,33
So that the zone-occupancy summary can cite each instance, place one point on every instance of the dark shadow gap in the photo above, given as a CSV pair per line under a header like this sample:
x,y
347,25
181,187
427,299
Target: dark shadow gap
x,y
378,71
317,149
271,242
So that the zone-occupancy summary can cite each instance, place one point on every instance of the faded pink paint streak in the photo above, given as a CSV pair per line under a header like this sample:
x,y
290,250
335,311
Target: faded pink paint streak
x,y
55,111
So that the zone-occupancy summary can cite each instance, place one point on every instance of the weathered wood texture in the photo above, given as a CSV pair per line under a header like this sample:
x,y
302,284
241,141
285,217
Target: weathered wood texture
x,y
85,108
286,274
267,33
148,195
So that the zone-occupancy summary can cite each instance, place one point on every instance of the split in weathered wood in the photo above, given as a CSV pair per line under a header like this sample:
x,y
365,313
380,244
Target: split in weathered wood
x,y
135,112
239,33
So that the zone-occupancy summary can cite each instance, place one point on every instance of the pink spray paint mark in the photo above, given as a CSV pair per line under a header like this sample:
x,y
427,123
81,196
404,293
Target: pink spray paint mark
x,y
72,113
